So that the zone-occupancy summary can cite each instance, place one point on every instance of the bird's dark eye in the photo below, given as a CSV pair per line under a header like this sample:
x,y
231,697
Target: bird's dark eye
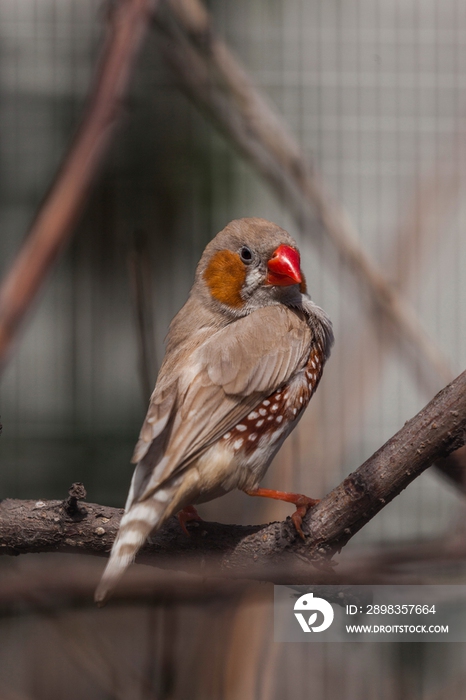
x,y
245,254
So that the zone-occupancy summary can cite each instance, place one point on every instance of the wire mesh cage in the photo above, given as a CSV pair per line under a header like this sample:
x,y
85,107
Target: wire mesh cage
x,y
369,96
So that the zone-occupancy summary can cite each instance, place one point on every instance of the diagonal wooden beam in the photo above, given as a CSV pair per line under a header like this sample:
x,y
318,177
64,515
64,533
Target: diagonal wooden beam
x,y
213,78
65,200
416,236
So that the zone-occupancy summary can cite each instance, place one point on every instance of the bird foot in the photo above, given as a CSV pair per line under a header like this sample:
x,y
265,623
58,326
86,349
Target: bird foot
x,y
187,515
302,503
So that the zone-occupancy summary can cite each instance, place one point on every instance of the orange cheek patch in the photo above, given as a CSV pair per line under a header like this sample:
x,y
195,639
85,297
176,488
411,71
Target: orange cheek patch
x,y
225,275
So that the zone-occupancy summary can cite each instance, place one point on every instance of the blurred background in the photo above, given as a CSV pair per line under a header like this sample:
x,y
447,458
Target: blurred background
x,y
373,91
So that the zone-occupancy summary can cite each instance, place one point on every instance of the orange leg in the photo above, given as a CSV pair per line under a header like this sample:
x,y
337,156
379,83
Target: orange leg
x,y
302,503
187,515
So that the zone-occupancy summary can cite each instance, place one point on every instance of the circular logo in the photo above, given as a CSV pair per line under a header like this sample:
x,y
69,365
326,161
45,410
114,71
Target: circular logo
x,y
310,604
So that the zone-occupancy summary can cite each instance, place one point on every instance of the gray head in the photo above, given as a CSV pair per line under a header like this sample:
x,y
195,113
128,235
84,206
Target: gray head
x,y
252,263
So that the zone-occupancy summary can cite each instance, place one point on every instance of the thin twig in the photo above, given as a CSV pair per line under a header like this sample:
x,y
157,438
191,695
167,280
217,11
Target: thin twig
x,y
64,202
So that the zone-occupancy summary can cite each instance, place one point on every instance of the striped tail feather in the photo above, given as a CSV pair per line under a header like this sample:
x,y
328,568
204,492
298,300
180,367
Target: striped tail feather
x,y
136,525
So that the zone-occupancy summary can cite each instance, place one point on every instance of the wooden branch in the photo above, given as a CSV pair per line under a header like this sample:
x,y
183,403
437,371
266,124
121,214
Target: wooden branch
x,y
54,221
453,468
215,81
48,584
271,552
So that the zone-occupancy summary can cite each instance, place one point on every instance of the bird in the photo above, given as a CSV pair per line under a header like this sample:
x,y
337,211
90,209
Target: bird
x,y
243,357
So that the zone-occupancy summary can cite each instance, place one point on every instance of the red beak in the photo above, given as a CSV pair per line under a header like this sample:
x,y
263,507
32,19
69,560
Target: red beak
x,y
284,267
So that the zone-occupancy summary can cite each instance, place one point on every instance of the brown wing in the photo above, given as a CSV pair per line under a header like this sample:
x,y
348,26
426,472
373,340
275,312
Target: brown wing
x,y
158,415
225,378
259,352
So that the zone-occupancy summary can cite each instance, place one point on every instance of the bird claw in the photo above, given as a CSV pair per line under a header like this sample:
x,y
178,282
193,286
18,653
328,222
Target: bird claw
x,y
302,506
302,503
187,515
